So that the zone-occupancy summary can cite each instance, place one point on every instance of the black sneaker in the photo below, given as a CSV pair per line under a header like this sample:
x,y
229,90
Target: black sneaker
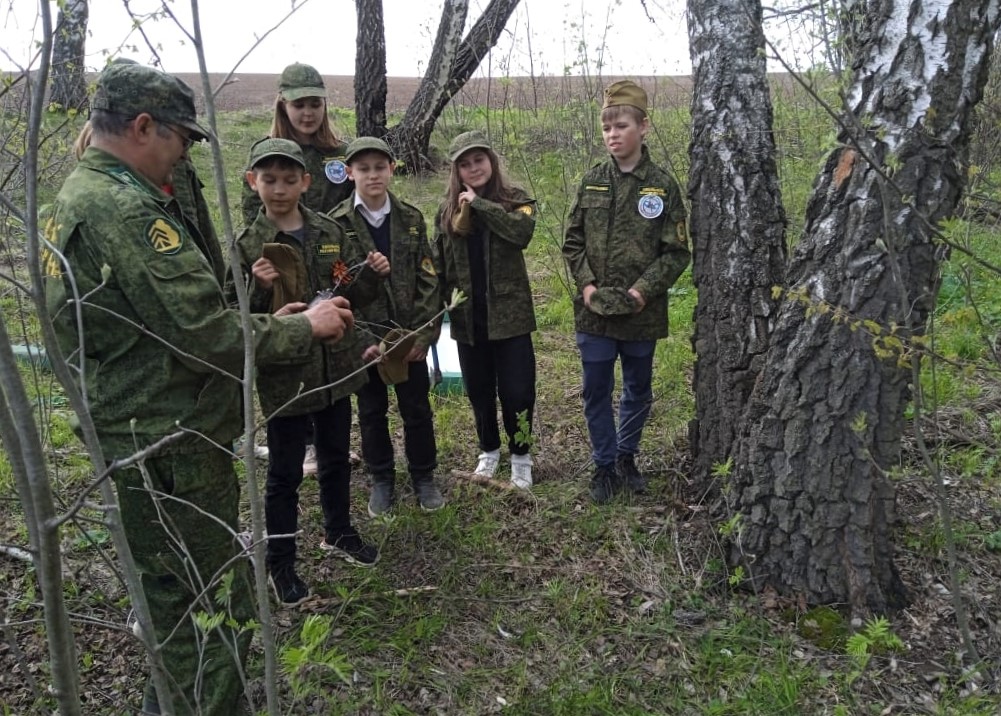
x,y
604,484
289,589
625,468
381,499
428,495
352,548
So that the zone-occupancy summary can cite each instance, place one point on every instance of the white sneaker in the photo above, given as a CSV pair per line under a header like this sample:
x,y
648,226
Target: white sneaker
x,y
487,464
521,471
309,464
261,452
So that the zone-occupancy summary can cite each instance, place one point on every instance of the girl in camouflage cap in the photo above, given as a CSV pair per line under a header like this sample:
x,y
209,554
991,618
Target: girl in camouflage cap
x,y
483,228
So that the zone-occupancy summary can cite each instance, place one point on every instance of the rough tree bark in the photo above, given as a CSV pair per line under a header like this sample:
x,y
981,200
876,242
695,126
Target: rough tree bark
x,y
451,65
370,70
825,419
69,85
737,221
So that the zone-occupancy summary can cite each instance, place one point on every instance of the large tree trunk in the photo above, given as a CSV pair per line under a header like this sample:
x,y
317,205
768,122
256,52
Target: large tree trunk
x,y
69,85
370,70
452,64
737,221
826,416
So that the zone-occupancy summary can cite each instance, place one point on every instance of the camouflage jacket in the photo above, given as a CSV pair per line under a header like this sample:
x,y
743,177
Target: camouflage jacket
x,y
330,184
505,234
410,298
156,331
627,231
187,189
323,251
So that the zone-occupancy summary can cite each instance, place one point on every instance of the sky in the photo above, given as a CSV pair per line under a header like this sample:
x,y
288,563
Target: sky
x,y
553,37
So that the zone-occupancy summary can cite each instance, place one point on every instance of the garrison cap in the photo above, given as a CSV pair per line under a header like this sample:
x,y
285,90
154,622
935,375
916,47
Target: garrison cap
x,y
367,144
273,147
130,89
625,92
612,301
474,139
299,80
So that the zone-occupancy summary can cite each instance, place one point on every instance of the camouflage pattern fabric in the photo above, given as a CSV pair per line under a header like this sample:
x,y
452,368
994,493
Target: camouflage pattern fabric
x,y
627,231
182,551
410,298
324,251
329,188
187,188
510,310
108,219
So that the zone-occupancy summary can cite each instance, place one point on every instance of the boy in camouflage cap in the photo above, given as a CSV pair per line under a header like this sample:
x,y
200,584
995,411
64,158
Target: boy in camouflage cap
x,y
626,244
161,352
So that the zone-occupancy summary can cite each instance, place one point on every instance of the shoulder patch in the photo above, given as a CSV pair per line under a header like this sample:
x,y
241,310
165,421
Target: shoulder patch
x,y
164,236
427,266
526,209
50,264
413,231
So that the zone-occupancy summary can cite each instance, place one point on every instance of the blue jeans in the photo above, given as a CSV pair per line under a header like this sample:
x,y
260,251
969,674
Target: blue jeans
x,y
598,354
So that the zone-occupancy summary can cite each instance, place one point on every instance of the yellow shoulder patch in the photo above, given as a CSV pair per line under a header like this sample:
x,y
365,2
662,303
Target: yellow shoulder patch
x,y
427,266
50,264
164,236
526,209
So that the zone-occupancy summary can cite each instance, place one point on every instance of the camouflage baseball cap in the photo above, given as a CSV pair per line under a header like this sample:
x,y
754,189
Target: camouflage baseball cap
x,y
130,89
299,80
625,92
272,147
611,301
367,144
474,139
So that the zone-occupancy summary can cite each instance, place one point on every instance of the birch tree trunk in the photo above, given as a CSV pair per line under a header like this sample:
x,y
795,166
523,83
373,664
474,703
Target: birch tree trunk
x,y
825,419
69,85
737,222
453,61
370,70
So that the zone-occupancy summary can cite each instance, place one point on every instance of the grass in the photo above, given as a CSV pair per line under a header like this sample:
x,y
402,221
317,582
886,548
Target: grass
x,y
543,603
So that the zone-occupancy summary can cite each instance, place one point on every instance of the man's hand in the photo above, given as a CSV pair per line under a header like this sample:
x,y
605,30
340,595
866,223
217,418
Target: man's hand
x,y
265,273
330,319
588,290
290,308
638,297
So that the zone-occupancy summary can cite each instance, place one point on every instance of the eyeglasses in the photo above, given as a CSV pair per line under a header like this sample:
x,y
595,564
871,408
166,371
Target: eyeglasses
x,y
186,139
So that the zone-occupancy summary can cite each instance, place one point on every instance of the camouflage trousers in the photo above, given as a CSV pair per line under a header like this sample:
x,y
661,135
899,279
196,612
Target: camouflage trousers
x,y
182,534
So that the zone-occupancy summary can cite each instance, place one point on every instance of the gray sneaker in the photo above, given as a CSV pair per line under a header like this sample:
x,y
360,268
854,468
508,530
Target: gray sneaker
x,y
381,499
429,497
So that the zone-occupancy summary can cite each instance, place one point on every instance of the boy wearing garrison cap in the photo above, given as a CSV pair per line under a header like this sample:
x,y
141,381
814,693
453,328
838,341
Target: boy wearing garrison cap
x,y
290,254
407,302
157,349
625,245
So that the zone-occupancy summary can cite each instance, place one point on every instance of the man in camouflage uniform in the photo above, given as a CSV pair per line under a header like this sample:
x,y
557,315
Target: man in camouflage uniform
x,y
625,245
158,351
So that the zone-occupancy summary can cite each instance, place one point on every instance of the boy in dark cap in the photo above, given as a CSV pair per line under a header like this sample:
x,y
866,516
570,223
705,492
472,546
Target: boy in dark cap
x,y
380,221
291,253
625,245
161,349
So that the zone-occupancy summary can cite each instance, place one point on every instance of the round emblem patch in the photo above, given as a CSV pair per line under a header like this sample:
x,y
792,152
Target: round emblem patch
x,y
163,236
336,171
651,206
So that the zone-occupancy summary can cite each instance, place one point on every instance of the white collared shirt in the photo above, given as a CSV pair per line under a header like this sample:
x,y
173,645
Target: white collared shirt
x,y
375,218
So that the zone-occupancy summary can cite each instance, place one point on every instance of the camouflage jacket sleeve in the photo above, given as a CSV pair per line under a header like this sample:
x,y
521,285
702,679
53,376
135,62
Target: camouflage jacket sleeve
x,y
575,245
427,297
248,250
515,226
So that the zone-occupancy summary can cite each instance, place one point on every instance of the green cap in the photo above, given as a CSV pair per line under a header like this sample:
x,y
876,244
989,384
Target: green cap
x,y
367,144
130,89
271,147
466,141
625,92
612,301
298,81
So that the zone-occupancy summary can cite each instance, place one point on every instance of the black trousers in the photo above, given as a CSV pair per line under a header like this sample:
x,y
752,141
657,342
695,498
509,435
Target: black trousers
x,y
418,423
502,369
287,444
